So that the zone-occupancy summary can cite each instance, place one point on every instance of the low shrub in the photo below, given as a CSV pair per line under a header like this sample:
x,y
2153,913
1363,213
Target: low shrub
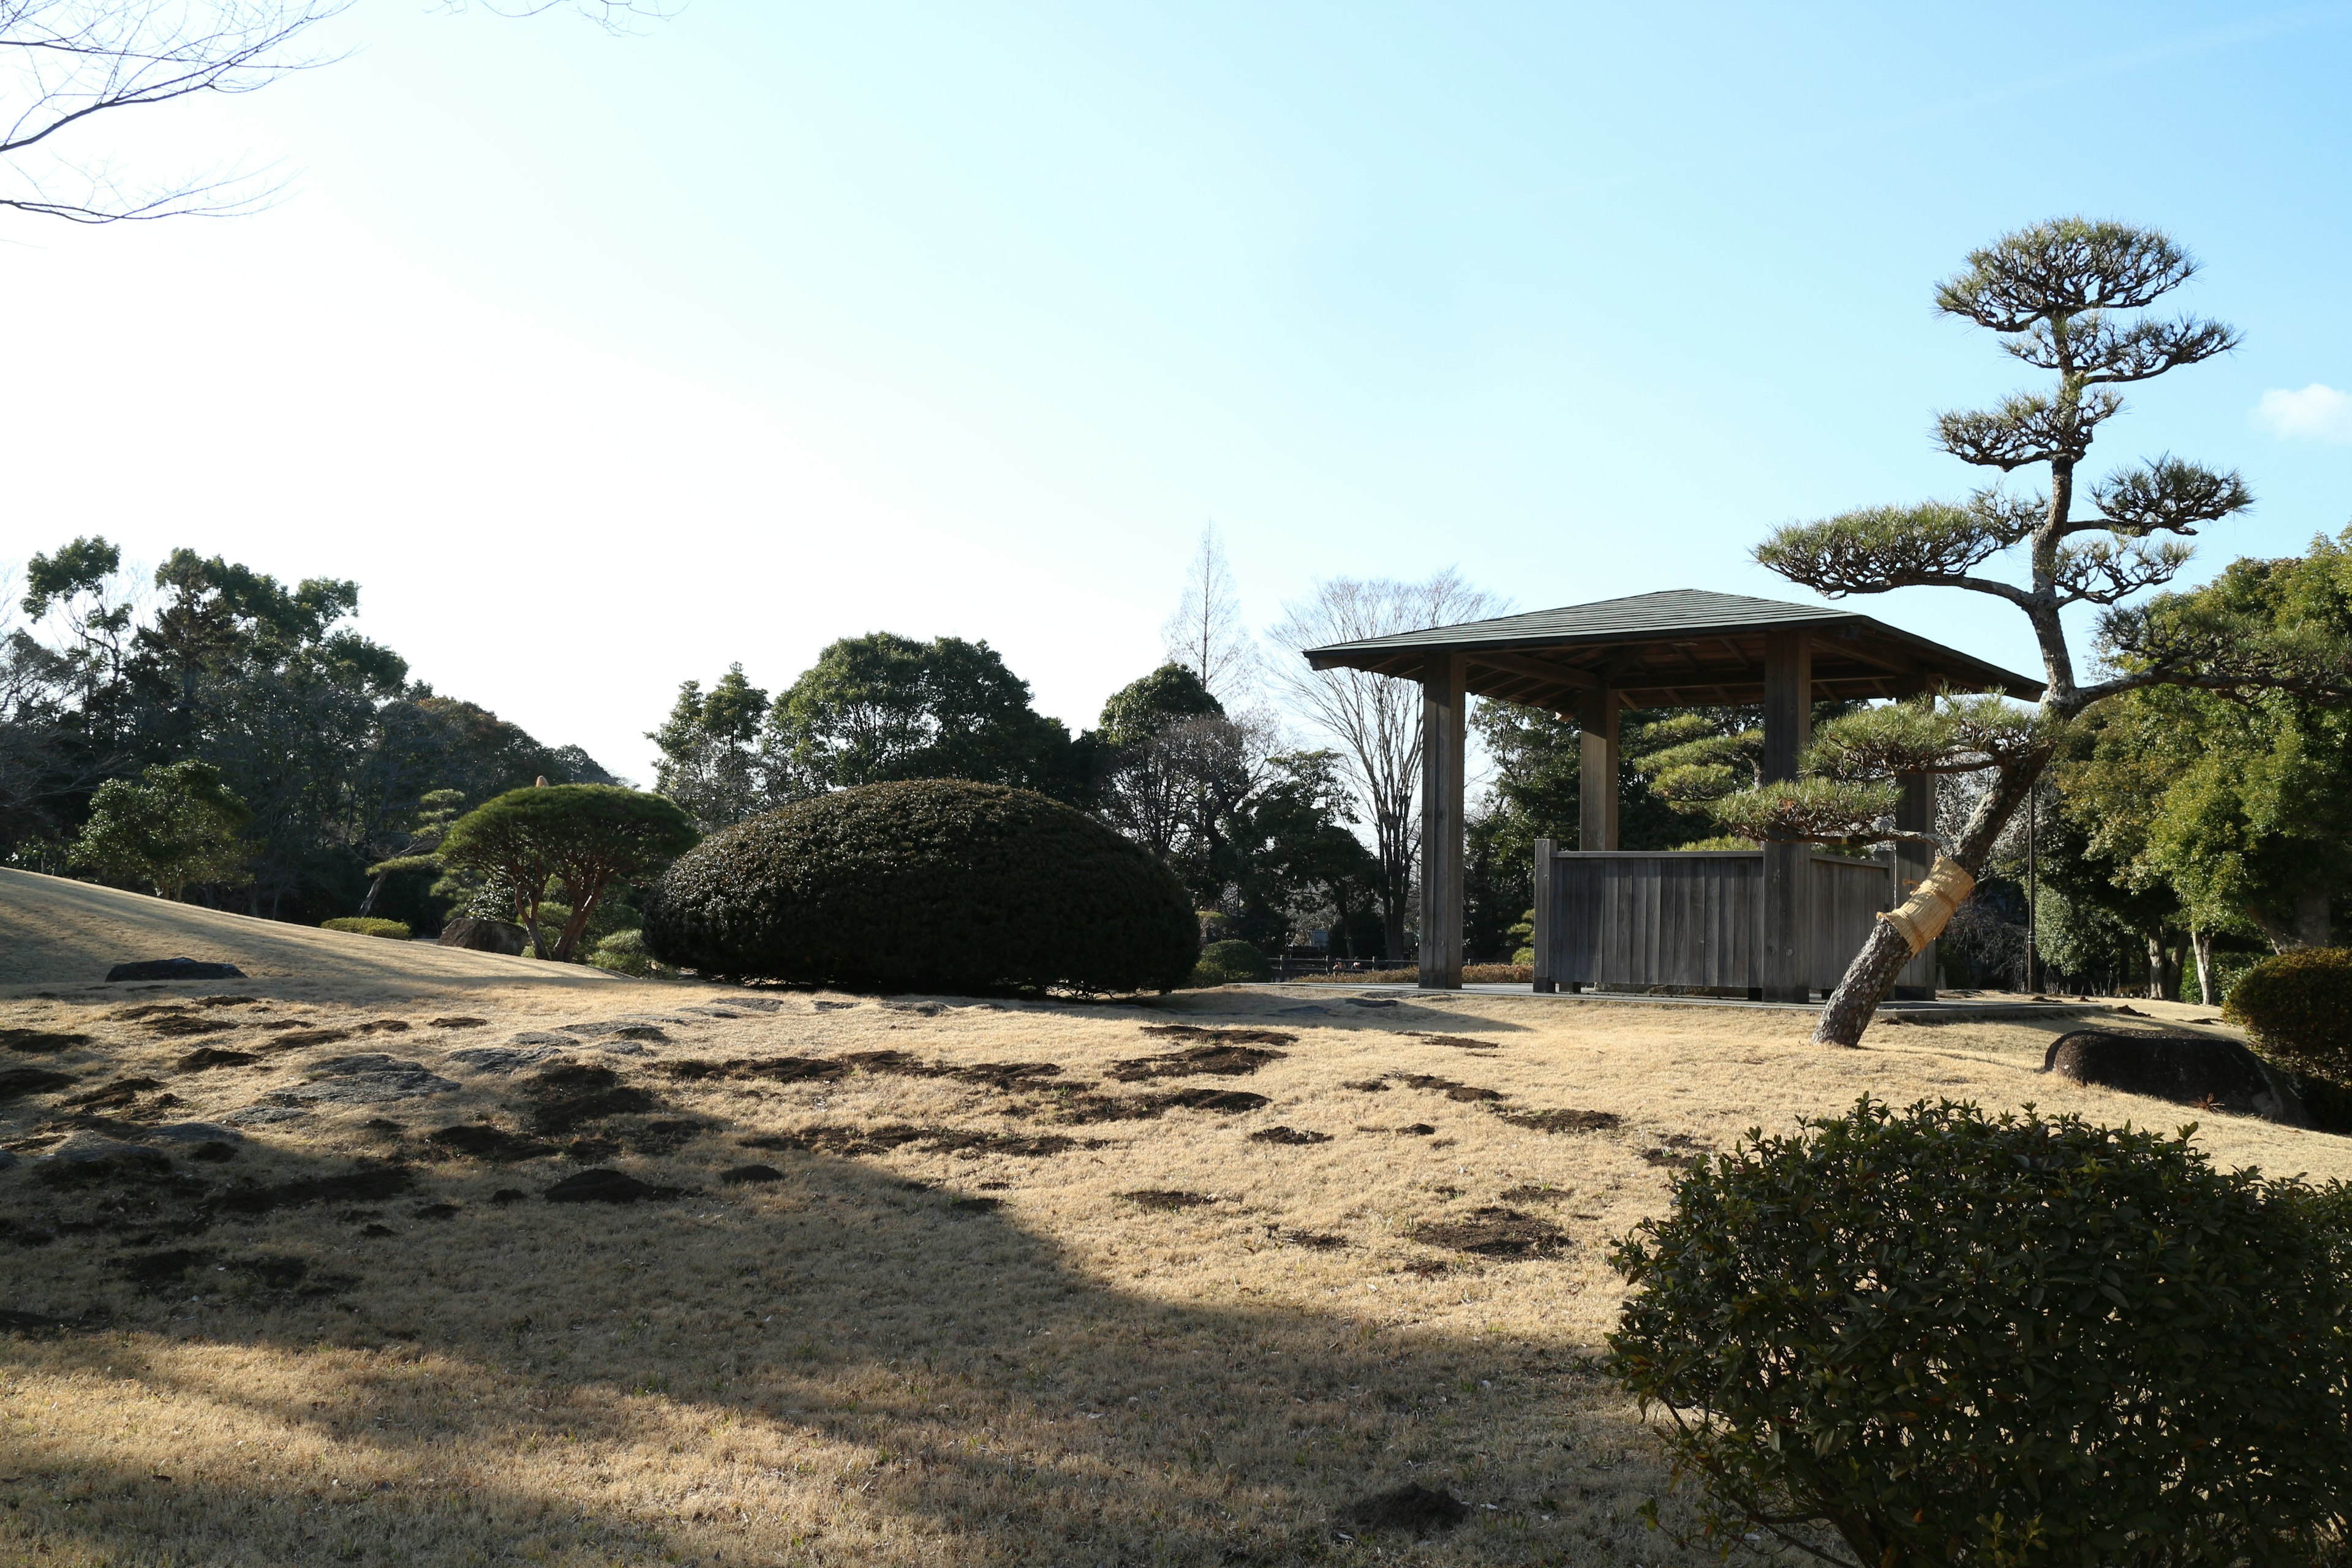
x,y
360,925
927,885
2298,1008
624,953
1231,963
1948,1337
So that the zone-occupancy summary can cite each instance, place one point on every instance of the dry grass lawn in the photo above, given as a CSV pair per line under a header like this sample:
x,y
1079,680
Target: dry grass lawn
x,y
944,1328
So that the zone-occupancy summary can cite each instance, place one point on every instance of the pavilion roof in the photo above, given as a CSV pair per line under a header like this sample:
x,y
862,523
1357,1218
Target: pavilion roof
x,y
1680,648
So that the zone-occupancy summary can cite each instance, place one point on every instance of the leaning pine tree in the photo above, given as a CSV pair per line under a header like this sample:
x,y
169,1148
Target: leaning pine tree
x,y
2067,297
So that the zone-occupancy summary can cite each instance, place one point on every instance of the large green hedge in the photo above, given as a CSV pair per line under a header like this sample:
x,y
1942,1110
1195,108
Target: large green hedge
x,y
929,885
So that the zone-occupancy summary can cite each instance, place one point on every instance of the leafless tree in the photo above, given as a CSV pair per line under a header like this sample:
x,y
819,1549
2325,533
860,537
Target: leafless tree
x,y
66,64
1206,635
1375,721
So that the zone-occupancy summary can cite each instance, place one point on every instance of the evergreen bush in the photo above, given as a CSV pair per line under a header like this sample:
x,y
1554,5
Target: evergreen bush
x,y
1948,1337
1230,962
926,885
360,925
2297,1007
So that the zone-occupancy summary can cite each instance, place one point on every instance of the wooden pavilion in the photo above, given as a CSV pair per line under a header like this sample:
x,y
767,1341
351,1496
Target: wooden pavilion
x,y
1777,924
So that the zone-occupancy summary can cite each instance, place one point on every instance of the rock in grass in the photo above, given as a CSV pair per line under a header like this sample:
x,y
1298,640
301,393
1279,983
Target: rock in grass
x,y
2188,1069
605,1185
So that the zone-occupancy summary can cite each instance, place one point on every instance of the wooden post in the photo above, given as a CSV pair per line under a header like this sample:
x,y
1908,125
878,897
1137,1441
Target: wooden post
x,y
1596,798
1442,771
1915,813
1788,868
1545,851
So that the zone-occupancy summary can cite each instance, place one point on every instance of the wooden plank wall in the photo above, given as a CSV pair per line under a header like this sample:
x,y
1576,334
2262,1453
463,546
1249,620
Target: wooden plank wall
x,y
1694,918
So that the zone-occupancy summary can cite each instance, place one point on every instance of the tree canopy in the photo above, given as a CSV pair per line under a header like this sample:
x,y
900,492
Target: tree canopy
x,y
582,839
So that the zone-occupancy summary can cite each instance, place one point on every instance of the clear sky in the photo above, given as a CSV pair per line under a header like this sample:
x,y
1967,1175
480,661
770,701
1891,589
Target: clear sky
x,y
602,361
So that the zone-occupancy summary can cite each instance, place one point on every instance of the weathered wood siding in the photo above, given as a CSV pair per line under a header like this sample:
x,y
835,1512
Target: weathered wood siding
x,y
1694,918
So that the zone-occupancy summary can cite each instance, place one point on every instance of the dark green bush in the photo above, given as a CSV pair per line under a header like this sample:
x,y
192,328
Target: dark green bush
x,y
362,925
2298,1008
1231,963
927,885
1949,1339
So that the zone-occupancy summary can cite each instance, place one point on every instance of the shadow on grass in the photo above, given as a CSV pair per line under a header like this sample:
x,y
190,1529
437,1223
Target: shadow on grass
x,y
835,1365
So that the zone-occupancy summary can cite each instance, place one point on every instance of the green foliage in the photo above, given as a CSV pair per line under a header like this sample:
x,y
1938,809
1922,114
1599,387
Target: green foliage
x,y
1811,810
172,826
1167,697
2298,1007
2011,1341
934,885
624,953
363,925
580,838
709,761
1231,963
880,708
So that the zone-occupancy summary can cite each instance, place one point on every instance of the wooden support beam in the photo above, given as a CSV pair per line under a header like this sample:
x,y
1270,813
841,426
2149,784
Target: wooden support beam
x,y
1915,813
1788,868
1597,771
1536,668
1545,914
1442,768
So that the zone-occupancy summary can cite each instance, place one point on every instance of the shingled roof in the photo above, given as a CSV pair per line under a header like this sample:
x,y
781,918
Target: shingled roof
x,y
1680,648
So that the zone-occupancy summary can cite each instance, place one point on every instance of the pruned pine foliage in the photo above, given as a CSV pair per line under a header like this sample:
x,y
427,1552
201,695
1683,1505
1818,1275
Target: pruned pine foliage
x,y
583,838
1940,1336
2054,290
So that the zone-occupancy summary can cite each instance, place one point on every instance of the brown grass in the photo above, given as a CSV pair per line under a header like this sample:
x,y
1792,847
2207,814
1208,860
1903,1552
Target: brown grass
x,y
981,1313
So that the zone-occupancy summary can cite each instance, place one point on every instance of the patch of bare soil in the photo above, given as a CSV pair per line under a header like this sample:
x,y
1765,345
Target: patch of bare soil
x,y
366,1183
1497,1232
569,1096
1563,1121
457,1023
1289,1135
1222,1036
294,1039
41,1040
1460,1042
482,1140
1221,1060
1411,1506
1448,1088
774,1069
1166,1198
603,1185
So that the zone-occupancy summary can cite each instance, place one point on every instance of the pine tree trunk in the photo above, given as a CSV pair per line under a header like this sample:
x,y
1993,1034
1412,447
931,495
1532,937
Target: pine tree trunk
x,y
2200,938
1884,953
2155,966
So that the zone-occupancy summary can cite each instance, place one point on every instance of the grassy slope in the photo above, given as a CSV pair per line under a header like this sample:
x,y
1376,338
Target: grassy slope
x,y
851,1364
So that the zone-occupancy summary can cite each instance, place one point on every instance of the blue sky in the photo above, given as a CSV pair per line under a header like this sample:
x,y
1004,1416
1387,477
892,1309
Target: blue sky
x,y
602,361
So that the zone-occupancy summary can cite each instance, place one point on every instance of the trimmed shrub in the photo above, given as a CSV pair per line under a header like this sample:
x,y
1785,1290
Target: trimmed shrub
x,y
368,926
577,840
1231,963
624,953
927,885
1948,1338
2298,1007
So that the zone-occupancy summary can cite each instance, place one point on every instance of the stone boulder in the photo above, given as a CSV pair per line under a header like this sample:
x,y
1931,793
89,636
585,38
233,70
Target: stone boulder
x,y
486,936
2188,1069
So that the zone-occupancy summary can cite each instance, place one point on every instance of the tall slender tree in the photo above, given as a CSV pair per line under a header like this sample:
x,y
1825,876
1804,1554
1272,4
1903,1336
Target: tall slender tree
x,y
2069,297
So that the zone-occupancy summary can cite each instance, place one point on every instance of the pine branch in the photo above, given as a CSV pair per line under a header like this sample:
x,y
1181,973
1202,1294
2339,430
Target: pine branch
x,y
2096,349
1878,549
2167,496
2064,268
2103,572
2027,429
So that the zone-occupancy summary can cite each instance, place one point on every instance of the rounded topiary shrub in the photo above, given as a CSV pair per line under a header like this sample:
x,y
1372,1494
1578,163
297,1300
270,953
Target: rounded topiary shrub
x,y
2298,1007
927,885
1945,1337
365,925
1231,963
